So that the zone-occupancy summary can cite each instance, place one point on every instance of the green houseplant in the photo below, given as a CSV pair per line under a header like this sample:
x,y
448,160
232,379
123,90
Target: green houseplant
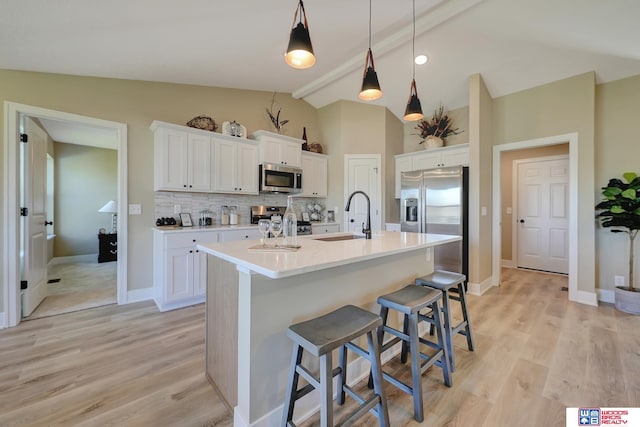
x,y
620,210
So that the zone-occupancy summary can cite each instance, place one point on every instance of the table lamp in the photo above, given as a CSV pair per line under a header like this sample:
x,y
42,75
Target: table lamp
x,y
112,208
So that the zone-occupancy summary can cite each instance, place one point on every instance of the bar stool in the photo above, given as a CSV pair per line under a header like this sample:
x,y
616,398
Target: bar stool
x,y
319,337
452,287
409,301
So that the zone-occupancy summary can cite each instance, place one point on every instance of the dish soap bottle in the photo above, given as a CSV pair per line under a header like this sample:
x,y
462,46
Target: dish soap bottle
x,y
290,224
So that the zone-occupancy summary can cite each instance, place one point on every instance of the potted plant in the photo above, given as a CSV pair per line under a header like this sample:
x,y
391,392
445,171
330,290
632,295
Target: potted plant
x,y
620,210
435,129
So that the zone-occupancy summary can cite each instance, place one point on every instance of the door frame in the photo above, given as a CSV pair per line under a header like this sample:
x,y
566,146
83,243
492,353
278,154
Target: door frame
x,y
572,138
515,230
11,219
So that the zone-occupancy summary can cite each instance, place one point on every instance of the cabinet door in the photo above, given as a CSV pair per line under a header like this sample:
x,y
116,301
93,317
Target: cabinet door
x,y
199,273
179,274
247,168
225,165
290,153
455,157
403,164
199,162
270,151
314,176
171,160
427,160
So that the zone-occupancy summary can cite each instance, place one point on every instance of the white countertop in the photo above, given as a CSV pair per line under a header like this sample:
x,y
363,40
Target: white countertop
x,y
318,255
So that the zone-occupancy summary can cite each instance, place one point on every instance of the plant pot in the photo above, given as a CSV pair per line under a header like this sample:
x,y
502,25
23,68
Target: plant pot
x,y
433,142
627,301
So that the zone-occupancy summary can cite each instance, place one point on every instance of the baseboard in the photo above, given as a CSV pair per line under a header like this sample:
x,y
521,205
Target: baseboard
x,y
588,298
75,258
506,263
3,320
179,304
479,288
606,295
138,295
307,406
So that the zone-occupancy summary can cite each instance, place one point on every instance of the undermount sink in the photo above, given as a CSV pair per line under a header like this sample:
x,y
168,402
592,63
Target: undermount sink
x,y
339,238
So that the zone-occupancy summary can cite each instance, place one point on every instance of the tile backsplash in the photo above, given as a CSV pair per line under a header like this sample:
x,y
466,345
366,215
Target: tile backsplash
x,y
193,203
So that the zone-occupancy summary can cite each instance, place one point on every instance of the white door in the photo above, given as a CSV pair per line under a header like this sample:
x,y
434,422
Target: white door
x,y
543,215
34,192
362,172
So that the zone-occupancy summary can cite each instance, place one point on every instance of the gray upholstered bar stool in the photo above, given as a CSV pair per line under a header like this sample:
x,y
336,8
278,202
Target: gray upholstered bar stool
x,y
319,337
452,287
409,301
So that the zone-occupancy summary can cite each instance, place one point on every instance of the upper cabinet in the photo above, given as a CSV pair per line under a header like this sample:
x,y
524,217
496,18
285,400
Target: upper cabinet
x,y
454,155
182,159
314,175
235,166
194,160
279,149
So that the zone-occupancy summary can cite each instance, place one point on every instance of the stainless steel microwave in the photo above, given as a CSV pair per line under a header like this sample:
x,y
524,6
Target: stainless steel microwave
x,y
275,178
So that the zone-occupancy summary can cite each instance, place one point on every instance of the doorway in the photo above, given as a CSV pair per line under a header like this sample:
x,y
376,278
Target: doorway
x,y
12,184
541,214
362,172
500,216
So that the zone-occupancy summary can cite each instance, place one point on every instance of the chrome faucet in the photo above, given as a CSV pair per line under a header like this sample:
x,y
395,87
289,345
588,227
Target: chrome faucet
x,y
366,230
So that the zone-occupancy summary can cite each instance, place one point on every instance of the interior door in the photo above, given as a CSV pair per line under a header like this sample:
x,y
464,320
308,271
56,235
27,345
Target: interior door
x,y
543,215
363,173
34,236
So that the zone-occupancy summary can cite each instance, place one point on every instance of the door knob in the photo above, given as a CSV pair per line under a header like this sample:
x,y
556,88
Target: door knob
x,y
48,223
522,221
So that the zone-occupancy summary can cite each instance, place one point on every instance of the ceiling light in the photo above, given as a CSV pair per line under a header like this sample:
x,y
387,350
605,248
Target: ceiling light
x,y
370,85
421,59
414,109
300,52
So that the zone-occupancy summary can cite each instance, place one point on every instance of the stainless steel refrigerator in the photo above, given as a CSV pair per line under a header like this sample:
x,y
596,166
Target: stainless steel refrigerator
x,y
436,201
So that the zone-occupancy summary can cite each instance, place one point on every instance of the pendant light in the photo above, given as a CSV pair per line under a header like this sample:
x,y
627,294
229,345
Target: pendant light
x,y
370,86
414,109
300,52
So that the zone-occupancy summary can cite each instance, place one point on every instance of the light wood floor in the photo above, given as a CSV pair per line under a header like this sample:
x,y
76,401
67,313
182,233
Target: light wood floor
x,y
133,366
81,285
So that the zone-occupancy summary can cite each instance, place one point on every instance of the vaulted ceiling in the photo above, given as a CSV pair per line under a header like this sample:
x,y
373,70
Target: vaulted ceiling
x,y
513,44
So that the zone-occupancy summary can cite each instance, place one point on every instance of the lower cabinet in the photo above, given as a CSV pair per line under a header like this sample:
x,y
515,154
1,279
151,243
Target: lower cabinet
x,y
180,269
325,228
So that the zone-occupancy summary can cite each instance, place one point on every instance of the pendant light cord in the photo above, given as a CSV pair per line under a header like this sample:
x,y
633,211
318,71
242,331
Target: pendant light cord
x,y
413,44
369,24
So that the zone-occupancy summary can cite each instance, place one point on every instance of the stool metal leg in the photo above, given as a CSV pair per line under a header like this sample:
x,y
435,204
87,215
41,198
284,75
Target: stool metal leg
x,y
465,316
440,333
326,395
416,363
376,370
405,345
292,386
342,376
446,310
384,314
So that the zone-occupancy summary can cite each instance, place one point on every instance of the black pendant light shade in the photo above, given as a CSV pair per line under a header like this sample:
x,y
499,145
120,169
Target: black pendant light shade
x,y
414,108
300,51
370,85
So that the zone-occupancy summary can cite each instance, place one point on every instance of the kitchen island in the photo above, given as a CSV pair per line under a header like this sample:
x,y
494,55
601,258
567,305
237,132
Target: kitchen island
x,y
253,296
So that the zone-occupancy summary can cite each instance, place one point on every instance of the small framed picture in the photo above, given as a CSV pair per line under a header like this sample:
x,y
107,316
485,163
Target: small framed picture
x,y
185,218
305,216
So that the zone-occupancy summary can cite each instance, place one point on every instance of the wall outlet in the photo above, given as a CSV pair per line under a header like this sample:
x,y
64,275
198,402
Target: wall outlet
x,y
618,280
177,209
509,211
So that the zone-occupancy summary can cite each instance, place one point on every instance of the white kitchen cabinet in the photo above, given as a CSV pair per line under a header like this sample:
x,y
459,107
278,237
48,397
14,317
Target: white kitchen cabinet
x,y
179,268
242,234
182,158
235,166
279,149
429,159
325,228
314,175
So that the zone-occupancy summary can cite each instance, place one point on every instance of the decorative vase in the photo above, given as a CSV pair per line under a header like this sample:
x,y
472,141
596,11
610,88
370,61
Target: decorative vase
x,y
433,142
627,301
